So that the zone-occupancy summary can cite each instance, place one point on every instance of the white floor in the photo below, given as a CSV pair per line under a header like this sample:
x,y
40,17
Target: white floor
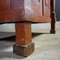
x,y
47,47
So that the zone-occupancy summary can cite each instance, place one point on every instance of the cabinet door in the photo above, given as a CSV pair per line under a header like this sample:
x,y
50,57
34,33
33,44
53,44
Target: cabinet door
x,y
47,8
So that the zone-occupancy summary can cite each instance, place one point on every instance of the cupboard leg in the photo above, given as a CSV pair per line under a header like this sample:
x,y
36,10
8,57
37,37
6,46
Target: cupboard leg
x,y
52,24
24,46
52,16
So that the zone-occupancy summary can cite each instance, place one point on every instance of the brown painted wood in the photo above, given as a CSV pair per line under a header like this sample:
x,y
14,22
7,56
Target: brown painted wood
x,y
24,45
23,33
24,10
11,10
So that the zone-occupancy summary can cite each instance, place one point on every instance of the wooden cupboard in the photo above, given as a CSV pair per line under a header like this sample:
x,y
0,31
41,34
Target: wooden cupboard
x,y
23,13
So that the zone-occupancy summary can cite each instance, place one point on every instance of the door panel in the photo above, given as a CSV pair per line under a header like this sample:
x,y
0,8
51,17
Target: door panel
x,y
4,5
37,10
11,5
47,8
11,10
16,4
41,10
37,7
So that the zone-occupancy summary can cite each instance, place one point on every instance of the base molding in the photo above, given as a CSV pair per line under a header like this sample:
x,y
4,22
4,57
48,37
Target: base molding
x,y
24,51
